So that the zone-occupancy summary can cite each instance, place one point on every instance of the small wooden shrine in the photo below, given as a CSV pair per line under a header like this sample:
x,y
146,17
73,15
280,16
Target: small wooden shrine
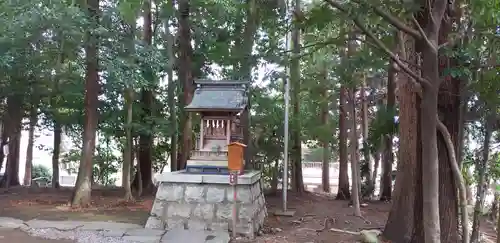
x,y
220,105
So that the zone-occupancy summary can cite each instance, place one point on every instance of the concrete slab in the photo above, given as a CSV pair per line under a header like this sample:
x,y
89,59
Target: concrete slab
x,y
288,213
142,239
10,223
182,177
59,225
99,225
195,236
144,232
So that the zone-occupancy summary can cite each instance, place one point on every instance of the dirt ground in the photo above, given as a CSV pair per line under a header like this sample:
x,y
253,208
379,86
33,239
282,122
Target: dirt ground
x,y
312,210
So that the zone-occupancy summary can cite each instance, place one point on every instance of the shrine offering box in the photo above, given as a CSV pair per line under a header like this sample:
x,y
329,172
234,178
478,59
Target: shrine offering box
x,y
236,161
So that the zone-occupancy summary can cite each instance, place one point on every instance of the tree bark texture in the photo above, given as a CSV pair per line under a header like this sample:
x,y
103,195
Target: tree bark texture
x,y
83,187
343,192
13,121
449,110
404,223
186,79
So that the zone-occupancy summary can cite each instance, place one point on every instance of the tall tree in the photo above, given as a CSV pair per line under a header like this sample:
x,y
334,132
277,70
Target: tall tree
x,y
83,187
324,115
186,80
172,107
388,156
295,84
147,100
343,192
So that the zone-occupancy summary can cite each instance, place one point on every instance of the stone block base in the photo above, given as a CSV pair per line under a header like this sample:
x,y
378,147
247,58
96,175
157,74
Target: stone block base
x,y
206,202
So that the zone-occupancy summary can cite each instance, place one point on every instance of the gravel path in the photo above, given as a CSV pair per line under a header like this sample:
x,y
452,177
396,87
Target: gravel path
x,y
17,236
32,231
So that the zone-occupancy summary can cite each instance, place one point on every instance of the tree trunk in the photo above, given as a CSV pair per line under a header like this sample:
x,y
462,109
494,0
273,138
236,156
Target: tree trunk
x,y
481,184
324,109
404,223
140,185
56,153
343,192
388,156
170,42
449,109
353,145
31,142
244,72
185,77
295,83
83,187
127,152
3,142
13,131
147,99
370,180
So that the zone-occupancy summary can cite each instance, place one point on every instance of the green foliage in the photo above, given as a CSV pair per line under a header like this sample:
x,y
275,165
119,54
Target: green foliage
x,y
382,125
38,171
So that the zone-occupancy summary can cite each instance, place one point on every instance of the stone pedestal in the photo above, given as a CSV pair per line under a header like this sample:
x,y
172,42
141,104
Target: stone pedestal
x,y
199,201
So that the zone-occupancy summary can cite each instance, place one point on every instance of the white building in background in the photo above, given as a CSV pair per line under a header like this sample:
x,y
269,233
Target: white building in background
x,y
42,155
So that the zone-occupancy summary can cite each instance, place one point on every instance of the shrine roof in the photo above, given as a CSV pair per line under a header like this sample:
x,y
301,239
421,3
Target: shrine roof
x,y
212,95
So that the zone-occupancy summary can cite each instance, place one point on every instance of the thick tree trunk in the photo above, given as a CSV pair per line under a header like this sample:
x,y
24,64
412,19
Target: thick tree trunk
x,y
31,142
186,79
295,83
56,152
449,109
147,100
343,192
388,156
404,223
83,187
13,131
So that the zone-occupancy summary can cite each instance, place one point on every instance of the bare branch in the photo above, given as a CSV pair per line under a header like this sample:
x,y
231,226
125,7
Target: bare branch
x,y
394,21
422,33
380,44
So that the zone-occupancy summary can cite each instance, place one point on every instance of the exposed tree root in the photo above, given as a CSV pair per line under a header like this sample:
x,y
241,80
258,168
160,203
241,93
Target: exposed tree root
x,y
459,180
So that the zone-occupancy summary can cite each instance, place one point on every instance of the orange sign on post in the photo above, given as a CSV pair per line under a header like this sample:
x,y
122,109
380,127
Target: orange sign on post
x,y
235,153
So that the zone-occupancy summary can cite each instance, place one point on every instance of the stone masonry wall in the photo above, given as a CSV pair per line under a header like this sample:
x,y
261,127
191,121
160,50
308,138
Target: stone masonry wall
x,y
208,207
